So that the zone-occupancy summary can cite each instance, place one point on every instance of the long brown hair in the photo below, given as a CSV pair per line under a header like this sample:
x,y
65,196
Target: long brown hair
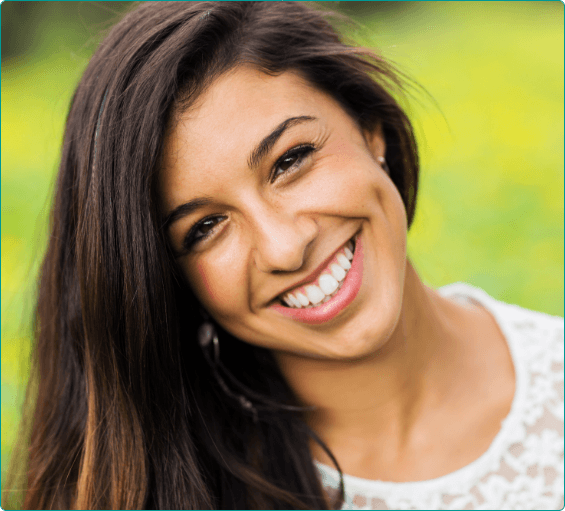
x,y
127,413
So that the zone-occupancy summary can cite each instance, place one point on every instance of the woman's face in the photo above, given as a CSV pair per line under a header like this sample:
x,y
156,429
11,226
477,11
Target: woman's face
x,y
266,181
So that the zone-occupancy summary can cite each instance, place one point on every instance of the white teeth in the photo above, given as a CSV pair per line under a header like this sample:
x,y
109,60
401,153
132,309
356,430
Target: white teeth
x,y
338,272
327,284
293,300
343,261
314,294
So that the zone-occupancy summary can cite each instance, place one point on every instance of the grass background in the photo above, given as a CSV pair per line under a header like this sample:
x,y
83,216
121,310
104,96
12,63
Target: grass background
x,y
490,207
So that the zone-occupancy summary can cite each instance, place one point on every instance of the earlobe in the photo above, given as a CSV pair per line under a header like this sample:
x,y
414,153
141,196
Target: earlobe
x,y
377,146
382,163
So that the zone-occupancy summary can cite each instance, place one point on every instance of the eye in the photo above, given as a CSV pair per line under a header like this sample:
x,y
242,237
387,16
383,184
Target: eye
x,y
201,230
291,160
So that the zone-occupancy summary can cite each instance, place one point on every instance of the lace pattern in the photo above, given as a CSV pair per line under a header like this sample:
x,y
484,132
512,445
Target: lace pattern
x,y
523,467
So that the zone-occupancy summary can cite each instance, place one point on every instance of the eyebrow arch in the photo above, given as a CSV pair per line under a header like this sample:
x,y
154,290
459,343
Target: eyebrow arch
x,y
270,140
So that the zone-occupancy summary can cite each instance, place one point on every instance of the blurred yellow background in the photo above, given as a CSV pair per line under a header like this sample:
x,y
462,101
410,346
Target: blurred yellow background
x,y
490,206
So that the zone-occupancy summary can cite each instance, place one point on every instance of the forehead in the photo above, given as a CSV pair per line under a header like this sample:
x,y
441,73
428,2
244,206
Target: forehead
x,y
227,120
243,95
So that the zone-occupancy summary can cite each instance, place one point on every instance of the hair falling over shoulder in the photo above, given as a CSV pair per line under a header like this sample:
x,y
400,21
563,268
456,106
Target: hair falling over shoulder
x,y
125,413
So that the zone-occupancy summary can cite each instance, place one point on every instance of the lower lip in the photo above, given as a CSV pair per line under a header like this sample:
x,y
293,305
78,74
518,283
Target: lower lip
x,y
346,294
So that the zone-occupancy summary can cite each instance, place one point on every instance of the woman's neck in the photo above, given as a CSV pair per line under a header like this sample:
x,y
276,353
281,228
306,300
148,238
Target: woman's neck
x,y
430,362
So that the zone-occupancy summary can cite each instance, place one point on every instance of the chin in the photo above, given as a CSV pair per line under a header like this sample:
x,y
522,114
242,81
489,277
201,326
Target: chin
x,y
372,328
367,335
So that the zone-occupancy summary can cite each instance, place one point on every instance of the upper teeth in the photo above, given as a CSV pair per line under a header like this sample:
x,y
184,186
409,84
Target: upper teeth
x,y
326,286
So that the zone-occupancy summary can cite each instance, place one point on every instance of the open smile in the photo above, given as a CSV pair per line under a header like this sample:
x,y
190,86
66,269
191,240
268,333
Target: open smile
x,y
328,294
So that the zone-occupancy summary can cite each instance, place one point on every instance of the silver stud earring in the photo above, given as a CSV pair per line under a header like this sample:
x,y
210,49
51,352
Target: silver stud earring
x,y
382,163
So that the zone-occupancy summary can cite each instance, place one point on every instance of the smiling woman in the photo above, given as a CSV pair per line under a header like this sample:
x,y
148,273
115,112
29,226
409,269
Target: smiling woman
x,y
276,214
228,318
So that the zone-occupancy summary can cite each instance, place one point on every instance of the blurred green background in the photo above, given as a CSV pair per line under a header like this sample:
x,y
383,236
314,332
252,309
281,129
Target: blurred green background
x,y
490,208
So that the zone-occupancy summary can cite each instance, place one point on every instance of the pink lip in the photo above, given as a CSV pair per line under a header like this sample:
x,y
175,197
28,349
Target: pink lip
x,y
340,301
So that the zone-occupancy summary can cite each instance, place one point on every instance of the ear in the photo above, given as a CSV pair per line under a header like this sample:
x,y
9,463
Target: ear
x,y
376,144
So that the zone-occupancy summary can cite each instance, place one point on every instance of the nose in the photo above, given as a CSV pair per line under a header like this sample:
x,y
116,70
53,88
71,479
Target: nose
x,y
281,239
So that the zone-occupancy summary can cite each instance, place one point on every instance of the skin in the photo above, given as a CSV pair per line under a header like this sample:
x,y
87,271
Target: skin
x,y
395,370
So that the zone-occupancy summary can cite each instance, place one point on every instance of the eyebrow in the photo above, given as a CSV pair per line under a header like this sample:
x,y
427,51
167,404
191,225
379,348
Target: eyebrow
x,y
185,209
259,152
265,146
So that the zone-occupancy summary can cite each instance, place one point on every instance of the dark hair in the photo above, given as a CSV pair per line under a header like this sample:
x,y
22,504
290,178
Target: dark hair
x,y
127,413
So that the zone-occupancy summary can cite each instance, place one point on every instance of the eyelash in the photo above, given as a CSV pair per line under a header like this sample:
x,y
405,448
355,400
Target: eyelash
x,y
301,152
191,239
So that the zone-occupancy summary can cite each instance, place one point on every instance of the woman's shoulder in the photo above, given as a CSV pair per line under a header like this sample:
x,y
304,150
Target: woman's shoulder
x,y
535,342
531,438
536,329
524,464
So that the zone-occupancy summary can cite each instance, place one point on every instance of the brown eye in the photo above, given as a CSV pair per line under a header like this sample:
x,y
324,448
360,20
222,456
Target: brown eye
x,y
201,230
288,162
206,226
291,159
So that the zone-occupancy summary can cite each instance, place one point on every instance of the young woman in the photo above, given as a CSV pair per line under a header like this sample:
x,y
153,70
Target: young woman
x,y
227,317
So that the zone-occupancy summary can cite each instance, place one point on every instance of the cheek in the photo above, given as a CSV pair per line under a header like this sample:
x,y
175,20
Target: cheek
x,y
220,283
351,185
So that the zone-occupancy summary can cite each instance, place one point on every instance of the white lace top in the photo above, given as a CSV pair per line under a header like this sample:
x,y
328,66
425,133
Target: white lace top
x,y
523,467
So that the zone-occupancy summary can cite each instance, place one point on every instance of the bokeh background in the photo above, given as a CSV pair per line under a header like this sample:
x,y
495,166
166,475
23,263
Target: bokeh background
x,y
490,131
